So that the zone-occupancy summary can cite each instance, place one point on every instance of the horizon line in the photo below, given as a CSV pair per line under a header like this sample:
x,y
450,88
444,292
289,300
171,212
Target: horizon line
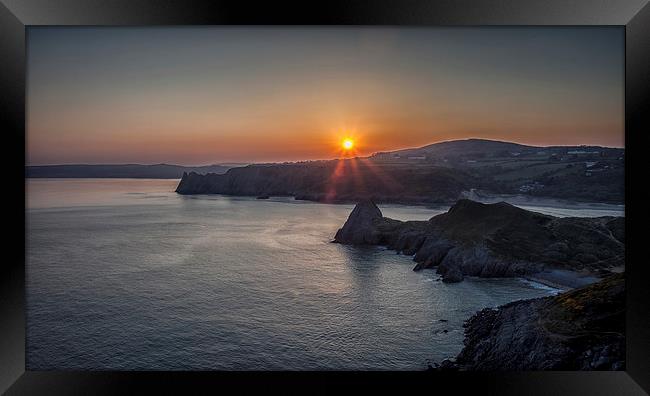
x,y
244,163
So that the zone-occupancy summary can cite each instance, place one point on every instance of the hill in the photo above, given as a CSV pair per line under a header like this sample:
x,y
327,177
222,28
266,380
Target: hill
x,y
441,172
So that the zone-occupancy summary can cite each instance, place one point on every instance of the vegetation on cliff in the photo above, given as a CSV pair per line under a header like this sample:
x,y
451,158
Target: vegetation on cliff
x,y
492,240
583,329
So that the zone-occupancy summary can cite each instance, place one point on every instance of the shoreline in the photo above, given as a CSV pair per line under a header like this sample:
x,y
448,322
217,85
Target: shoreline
x,y
562,279
517,200
550,203
546,283
591,210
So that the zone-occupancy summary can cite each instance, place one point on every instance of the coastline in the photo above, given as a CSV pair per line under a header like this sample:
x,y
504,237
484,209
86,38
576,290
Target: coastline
x,y
529,201
523,201
563,279
548,333
532,205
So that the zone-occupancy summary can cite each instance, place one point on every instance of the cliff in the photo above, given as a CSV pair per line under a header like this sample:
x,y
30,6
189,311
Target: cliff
x,y
349,180
583,329
435,173
492,240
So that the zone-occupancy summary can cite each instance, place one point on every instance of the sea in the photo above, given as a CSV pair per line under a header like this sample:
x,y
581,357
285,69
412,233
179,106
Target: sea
x,y
125,274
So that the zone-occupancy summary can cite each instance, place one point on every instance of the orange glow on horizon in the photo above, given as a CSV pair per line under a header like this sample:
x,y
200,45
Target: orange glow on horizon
x,y
209,95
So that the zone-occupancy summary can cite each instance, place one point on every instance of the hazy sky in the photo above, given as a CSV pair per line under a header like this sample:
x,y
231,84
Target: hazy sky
x,y
199,95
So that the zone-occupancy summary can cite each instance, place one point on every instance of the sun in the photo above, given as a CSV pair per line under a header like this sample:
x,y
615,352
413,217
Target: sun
x,y
347,144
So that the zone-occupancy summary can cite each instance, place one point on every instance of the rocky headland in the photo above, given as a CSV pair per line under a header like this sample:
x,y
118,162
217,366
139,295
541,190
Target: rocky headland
x,y
583,329
493,240
438,173
335,181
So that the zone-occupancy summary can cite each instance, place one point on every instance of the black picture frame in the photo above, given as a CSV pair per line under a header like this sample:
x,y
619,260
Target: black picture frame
x,y
16,15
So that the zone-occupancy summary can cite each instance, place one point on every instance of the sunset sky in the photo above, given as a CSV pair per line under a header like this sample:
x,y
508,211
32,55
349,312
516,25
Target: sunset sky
x,y
202,95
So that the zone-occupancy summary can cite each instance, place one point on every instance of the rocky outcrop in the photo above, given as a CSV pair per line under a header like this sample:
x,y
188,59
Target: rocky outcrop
x,y
583,329
359,229
453,276
492,240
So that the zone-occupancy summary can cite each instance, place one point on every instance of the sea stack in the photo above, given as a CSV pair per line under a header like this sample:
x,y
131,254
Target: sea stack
x,y
359,229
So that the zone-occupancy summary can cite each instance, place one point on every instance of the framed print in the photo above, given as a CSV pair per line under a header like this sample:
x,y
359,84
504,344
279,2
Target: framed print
x,y
447,194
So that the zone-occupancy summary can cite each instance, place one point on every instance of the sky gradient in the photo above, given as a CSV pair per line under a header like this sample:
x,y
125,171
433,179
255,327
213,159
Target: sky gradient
x,y
202,95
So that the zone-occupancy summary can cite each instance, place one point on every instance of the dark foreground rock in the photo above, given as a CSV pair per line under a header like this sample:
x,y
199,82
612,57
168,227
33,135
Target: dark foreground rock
x,y
492,240
583,329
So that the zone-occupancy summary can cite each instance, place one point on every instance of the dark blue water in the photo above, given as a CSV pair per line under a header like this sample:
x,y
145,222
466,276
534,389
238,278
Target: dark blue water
x,y
125,274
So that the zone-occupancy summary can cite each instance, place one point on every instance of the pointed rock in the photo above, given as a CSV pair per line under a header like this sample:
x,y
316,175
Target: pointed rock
x,y
359,229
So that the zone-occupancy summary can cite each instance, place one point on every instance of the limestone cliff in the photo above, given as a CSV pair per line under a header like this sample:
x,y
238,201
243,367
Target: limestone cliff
x,y
583,329
492,240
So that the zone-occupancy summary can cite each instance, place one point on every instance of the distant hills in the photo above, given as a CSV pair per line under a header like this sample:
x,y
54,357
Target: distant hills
x,y
483,148
458,147
136,171
437,173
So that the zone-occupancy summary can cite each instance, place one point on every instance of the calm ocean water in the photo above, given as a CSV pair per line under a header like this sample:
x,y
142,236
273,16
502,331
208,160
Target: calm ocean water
x,y
124,274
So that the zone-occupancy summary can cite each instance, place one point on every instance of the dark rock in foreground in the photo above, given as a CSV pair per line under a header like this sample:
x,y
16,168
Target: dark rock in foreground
x,y
583,329
492,240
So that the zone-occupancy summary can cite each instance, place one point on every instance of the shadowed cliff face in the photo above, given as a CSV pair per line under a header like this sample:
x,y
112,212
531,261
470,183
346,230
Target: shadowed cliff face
x,y
436,173
350,180
492,240
578,330
359,229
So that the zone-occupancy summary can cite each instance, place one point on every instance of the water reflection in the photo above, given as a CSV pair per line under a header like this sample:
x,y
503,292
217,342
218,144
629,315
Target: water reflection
x,y
115,281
